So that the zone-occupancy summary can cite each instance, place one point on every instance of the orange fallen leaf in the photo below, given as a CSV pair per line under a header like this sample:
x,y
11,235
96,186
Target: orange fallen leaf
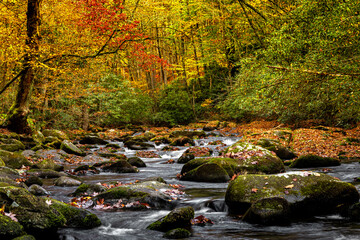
x,y
254,190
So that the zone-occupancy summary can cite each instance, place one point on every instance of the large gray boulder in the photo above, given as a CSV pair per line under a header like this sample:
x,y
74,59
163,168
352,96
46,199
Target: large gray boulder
x,y
70,148
307,193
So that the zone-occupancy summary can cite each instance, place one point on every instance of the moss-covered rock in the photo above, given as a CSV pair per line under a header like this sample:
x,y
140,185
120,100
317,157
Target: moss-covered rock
x,y
9,229
150,192
137,145
76,217
32,212
33,180
70,148
254,158
307,193
189,134
55,133
121,166
45,173
49,163
137,162
309,161
9,173
14,160
37,190
89,189
25,237
11,145
177,233
92,139
186,157
182,141
274,146
66,181
177,218
269,211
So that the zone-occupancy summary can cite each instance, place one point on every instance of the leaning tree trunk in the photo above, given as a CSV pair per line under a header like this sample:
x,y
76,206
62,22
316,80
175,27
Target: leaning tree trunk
x,y
17,117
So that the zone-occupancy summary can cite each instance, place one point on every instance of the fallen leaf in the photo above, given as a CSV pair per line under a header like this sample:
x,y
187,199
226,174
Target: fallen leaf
x,y
254,190
289,186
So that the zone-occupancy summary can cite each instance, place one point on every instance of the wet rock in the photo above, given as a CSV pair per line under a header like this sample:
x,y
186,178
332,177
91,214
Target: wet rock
x,y
9,173
25,237
269,211
93,139
121,166
137,162
307,193
177,233
93,169
254,158
189,134
9,229
55,133
137,145
38,190
354,212
65,181
32,212
308,161
112,145
45,173
149,192
70,148
111,155
177,218
182,141
274,146
49,164
76,217
88,189
209,170
33,180
186,157
14,160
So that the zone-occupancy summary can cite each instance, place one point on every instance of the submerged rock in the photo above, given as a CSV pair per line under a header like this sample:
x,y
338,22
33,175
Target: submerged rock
x,y
308,161
177,233
307,193
177,218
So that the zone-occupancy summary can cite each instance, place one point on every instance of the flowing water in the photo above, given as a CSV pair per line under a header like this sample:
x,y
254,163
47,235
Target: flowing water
x,y
208,200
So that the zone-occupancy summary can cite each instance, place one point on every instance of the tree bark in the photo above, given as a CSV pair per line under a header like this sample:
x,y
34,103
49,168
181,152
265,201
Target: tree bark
x,y
17,117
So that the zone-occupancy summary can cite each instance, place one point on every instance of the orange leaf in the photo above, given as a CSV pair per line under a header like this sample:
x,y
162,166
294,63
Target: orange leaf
x,y
254,190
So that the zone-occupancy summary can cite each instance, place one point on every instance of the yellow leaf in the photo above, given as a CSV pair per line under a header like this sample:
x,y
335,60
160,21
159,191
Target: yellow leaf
x,y
289,186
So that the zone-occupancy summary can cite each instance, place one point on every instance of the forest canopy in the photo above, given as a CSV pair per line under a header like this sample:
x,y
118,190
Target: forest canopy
x,y
116,62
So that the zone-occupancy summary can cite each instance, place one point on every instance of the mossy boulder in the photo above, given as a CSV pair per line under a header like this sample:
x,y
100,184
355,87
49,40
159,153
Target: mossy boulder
x,y
309,161
55,133
9,229
88,189
45,173
307,193
93,139
121,166
9,173
33,180
37,190
150,192
14,160
65,181
186,157
49,163
137,145
11,145
137,162
32,212
177,233
189,134
70,148
209,170
76,217
269,211
25,237
177,218
182,141
254,158
274,146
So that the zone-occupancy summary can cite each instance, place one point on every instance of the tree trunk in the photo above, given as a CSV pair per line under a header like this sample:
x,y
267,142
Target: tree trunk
x,y
17,117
